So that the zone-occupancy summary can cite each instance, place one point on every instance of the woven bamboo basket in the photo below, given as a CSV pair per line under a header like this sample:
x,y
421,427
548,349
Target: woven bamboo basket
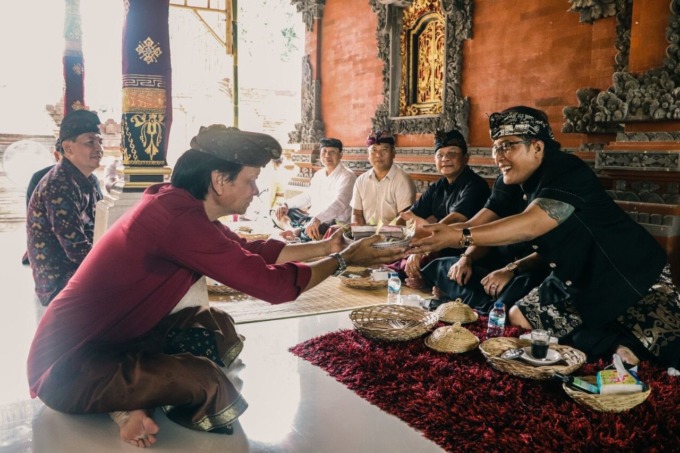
x,y
452,339
393,322
456,311
572,359
361,280
618,402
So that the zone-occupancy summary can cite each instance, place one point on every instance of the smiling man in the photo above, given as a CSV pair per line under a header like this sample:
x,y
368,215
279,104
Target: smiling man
x,y
385,190
456,197
60,213
327,199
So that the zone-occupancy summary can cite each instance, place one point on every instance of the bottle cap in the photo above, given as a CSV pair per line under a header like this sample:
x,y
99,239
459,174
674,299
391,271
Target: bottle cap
x,y
498,304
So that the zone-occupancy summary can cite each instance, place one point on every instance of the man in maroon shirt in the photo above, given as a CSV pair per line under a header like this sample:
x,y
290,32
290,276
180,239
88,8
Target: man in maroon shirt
x,y
112,343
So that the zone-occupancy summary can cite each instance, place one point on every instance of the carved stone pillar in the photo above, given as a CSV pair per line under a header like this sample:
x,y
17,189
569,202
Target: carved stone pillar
x,y
311,129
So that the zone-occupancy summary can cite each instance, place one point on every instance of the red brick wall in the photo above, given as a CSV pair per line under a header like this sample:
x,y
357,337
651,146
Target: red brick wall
x,y
351,78
533,53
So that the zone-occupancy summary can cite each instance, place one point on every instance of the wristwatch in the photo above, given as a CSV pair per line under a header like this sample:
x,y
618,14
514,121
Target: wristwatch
x,y
512,267
342,264
466,240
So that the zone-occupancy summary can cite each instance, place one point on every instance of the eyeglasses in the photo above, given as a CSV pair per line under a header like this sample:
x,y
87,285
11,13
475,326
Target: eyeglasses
x,y
503,148
448,156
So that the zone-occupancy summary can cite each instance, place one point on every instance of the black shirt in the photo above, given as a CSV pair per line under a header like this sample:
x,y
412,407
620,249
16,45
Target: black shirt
x,y
600,257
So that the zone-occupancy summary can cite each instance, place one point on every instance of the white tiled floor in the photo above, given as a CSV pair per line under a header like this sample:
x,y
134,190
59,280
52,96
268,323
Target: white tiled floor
x,y
294,406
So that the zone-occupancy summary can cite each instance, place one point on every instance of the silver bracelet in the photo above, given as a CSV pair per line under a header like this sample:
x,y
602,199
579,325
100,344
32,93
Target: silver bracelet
x,y
342,264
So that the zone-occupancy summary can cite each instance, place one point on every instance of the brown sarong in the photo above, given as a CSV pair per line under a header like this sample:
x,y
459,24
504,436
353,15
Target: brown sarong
x,y
140,374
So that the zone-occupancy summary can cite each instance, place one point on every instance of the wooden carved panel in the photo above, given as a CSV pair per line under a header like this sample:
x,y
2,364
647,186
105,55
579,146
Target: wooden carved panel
x,y
457,16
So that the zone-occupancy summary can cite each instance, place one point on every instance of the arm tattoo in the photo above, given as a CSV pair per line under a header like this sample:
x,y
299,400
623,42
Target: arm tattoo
x,y
557,210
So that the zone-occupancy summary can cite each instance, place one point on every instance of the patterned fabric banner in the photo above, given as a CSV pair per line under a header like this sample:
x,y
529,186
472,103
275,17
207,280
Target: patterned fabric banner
x,y
74,93
147,102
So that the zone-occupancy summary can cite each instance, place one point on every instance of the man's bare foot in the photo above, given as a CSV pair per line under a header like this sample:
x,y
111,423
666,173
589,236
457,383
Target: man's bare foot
x,y
627,355
136,427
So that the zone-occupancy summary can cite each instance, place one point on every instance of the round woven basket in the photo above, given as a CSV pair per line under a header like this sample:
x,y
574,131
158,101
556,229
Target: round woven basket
x,y
393,322
456,311
572,359
618,402
361,280
453,339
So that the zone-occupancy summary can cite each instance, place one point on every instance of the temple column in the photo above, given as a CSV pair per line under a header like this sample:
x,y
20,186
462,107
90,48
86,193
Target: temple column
x,y
146,106
311,129
74,97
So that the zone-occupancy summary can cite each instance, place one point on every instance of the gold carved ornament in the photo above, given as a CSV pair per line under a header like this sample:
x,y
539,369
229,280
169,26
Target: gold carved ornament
x,y
422,48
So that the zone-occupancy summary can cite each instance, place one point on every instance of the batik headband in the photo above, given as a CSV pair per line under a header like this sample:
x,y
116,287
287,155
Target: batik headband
x,y
378,137
516,123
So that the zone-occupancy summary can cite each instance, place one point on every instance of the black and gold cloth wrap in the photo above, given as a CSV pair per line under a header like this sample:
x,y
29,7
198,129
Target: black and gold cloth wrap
x,y
517,123
378,137
147,94
330,142
450,138
234,145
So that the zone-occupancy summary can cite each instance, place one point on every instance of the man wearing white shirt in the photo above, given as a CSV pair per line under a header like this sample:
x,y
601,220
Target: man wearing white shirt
x,y
385,190
327,199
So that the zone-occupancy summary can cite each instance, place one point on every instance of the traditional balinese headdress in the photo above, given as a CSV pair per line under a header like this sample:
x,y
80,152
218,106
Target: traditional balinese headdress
x,y
234,145
378,137
518,123
451,138
330,142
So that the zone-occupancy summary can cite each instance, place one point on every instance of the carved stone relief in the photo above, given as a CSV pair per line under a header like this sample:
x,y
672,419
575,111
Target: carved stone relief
x,y
591,10
311,129
458,15
310,10
651,96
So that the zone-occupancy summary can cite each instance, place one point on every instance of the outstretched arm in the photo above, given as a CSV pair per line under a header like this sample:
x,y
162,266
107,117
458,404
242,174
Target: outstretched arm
x,y
541,216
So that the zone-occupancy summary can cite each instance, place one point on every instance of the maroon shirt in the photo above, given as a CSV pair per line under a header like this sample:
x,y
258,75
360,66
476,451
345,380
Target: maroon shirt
x,y
143,266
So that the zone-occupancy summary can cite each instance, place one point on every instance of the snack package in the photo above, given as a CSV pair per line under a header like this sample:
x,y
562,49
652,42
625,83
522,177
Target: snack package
x,y
618,380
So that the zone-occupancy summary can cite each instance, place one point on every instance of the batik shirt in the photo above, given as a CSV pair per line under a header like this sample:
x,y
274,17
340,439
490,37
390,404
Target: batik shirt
x,y
60,227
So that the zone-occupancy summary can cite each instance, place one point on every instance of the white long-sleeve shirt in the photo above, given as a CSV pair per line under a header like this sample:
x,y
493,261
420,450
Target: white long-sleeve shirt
x,y
328,196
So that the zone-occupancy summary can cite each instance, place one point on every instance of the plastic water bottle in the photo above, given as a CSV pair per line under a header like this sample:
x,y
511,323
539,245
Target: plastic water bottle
x,y
496,321
393,288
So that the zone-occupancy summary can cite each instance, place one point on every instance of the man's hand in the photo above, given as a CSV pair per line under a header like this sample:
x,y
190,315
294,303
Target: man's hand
x,y
281,211
440,237
495,282
461,271
361,252
312,229
290,235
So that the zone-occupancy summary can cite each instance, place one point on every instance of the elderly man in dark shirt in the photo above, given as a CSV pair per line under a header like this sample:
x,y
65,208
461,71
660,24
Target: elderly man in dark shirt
x,y
456,197
60,213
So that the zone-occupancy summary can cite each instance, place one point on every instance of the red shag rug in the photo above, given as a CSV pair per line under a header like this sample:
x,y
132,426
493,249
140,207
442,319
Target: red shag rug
x,y
460,402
